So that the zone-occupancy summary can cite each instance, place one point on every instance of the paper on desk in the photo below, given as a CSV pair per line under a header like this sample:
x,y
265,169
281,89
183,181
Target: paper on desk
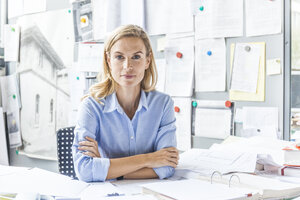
x,y
269,151
180,71
210,69
183,123
245,67
42,182
207,161
99,191
260,93
263,17
260,117
273,66
6,170
11,39
197,189
34,6
90,55
212,123
161,73
219,19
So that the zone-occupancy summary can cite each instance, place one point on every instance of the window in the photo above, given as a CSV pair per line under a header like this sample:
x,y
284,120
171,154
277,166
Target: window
x,y
37,109
51,111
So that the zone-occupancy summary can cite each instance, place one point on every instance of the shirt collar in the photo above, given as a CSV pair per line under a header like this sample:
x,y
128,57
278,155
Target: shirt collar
x,y
112,104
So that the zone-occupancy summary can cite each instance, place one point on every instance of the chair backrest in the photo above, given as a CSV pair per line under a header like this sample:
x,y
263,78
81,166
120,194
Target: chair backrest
x,y
65,138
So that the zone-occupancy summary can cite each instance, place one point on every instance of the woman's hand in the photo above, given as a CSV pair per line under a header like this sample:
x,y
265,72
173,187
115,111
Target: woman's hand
x,y
163,157
90,147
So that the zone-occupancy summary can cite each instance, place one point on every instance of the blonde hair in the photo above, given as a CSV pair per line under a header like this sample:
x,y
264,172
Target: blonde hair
x,y
107,84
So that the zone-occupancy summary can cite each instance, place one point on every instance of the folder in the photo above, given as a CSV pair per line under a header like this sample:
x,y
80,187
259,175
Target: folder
x,y
197,189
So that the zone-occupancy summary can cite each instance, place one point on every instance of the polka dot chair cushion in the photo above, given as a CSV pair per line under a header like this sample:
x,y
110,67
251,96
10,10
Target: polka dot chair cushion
x,y
64,151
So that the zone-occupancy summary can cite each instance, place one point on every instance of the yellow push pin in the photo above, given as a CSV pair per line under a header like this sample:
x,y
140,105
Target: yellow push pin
x,y
83,20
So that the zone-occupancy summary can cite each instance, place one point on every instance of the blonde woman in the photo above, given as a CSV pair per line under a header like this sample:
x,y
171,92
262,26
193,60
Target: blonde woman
x,y
125,128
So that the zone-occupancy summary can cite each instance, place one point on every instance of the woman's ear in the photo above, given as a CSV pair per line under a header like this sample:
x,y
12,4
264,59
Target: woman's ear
x,y
148,60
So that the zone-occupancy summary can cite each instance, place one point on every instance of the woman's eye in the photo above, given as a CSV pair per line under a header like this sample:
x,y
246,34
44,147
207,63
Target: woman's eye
x,y
119,57
136,57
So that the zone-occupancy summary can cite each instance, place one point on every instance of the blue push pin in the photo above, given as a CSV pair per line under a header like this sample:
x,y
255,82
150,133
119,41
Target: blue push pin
x,y
209,53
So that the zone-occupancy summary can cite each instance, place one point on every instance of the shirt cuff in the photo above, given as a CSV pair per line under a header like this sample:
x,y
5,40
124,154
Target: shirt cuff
x,y
164,172
100,169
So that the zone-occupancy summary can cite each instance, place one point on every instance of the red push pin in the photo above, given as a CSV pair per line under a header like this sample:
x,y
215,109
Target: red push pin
x,y
228,104
179,55
177,109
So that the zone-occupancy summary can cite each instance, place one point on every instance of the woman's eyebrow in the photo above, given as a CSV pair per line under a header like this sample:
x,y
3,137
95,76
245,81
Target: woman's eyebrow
x,y
118,52
139,52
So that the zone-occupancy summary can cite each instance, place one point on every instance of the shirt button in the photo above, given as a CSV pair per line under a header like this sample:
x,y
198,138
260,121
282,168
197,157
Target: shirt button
x,y
131,137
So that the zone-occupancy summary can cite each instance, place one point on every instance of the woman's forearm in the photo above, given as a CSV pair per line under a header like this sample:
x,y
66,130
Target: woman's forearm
x,y
142,173
127,165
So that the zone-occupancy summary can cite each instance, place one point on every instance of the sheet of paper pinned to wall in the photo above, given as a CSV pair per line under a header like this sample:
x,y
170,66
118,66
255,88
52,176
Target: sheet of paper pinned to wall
x,y
273,66
210,72
99,19
168,16
179,55
245,67
13,127
34,6
133,12
263,17
15,8
260,117
212,123
11,42
216,19
77,86
183,113
57,27
90,55
10,93
260,93
3,144
161,73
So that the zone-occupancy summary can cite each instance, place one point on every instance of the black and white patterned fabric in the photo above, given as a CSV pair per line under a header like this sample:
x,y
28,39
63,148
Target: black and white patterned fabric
x,y
64,151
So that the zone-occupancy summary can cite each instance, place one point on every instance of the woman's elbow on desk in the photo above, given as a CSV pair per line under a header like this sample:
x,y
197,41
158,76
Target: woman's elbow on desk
x,y
91,169
164,172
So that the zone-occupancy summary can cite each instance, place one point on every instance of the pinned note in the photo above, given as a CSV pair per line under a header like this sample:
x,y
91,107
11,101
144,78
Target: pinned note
x,y
273,66
11,42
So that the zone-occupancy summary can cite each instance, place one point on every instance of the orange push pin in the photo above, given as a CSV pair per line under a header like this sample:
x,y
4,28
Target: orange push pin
x,y
179,55
83,20
177,109
228,104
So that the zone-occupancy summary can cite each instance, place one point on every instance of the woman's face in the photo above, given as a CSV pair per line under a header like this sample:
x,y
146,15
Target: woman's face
x,y
128,61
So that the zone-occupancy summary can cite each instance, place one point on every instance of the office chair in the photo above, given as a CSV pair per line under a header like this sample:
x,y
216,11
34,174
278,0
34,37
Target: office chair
x,y
65,138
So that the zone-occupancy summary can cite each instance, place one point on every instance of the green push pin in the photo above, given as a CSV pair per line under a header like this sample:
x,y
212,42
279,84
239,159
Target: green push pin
x,y
194,104
201,8
14,96
69,11
17,151
13,29
77,77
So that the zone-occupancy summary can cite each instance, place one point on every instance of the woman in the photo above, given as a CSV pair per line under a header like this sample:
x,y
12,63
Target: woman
x,y
125,128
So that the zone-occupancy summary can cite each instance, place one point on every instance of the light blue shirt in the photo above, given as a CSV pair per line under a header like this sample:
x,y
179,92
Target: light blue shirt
x,y
152,128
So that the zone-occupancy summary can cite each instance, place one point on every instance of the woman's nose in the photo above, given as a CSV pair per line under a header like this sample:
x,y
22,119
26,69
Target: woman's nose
x,y
127,65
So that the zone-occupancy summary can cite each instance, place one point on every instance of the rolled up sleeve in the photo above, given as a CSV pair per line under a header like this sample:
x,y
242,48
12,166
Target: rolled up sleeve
x,y
166,137
88,169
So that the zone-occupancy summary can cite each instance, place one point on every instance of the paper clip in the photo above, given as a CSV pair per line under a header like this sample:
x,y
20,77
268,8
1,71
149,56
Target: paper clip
x,y
212,175
234,175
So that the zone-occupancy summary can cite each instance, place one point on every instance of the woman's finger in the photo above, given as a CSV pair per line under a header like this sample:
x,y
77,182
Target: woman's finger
x,y
86,143
86,148
89,154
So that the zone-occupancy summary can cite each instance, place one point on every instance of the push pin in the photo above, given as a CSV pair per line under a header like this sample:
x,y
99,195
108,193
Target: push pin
x,y
177,109
228,104
209,53
247,48
179,55
201,8
194,104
